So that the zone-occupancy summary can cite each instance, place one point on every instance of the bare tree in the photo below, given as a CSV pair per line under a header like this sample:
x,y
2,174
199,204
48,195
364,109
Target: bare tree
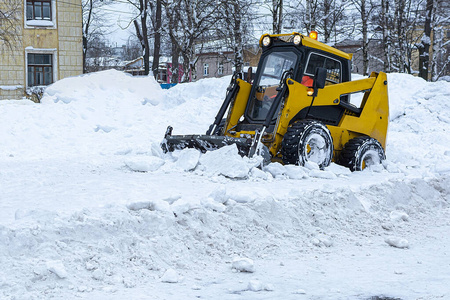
x,y
194,21
385,31
271,16
95,24
331,17
132,49
147,25
232,28
142,30
9,19
365,9
310,20
440,60
424,46
405,20
277,16
157,36
172,31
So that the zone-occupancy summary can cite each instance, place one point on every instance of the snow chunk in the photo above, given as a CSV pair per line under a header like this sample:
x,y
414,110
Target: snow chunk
x,y
57,268
184,205
145,164
338,169
295,172
213,205
322,241
397,242
276,169
255,285
219,194
397,215
225,161
258,173
188,159
170,276
98,275
243,264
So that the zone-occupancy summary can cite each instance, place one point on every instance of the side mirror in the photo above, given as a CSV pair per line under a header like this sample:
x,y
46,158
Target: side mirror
x,y
249,75
320,78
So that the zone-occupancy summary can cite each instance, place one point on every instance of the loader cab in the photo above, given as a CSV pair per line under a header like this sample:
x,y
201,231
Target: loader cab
x,y
299,55
272,65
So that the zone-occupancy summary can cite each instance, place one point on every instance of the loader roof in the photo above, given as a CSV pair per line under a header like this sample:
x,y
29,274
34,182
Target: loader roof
x,y
307,42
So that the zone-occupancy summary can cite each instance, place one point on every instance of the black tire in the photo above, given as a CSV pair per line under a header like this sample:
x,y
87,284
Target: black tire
x,y
361,152
219,128
307,140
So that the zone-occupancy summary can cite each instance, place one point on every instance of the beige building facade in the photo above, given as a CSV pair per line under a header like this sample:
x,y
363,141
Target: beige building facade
x,y
47,46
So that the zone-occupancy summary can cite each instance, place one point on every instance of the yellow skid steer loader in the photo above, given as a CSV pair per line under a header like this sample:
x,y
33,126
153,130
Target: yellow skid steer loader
x,y
297,109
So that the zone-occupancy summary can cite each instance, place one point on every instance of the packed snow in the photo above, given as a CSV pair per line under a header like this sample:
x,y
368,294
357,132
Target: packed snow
x,y
91,208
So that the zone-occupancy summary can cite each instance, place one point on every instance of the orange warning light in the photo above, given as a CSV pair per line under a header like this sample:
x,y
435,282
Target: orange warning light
x,y
313,35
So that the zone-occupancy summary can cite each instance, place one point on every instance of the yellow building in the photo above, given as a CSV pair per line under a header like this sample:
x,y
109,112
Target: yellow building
x,y
46,45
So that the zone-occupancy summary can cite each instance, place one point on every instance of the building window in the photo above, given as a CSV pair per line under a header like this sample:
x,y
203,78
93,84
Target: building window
x,y
162,75
40,69
39,10
220,68
205,69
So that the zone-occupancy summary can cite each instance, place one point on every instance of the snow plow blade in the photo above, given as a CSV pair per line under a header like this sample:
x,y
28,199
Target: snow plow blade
x,y
203,143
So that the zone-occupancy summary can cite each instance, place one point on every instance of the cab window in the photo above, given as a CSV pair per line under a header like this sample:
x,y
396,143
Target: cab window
x,y
333,67
265,87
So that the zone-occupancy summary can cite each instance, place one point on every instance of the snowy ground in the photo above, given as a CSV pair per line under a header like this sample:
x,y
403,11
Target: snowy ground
x,y
91,209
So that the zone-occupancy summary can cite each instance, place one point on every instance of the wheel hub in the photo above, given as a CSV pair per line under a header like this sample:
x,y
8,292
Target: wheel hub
x,y
316,148
370,158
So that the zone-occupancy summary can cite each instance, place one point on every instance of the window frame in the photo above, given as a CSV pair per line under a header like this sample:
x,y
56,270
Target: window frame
x,y
33,4
259,73
205,69
220,68
326,57
54,64
45,23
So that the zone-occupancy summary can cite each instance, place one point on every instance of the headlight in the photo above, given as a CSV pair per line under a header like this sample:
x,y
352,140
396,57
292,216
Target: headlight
x,y
266,41
297,39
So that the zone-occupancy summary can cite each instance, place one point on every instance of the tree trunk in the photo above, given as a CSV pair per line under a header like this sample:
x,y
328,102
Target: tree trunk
x,y
186,68
143,36
385,33
175,59
326,27
365,42
157,41
85,35
277,14
280,16
424,46
238,59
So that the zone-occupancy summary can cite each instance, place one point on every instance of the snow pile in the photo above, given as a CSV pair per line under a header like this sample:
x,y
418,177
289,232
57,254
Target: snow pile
x,y
92,208
115,88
